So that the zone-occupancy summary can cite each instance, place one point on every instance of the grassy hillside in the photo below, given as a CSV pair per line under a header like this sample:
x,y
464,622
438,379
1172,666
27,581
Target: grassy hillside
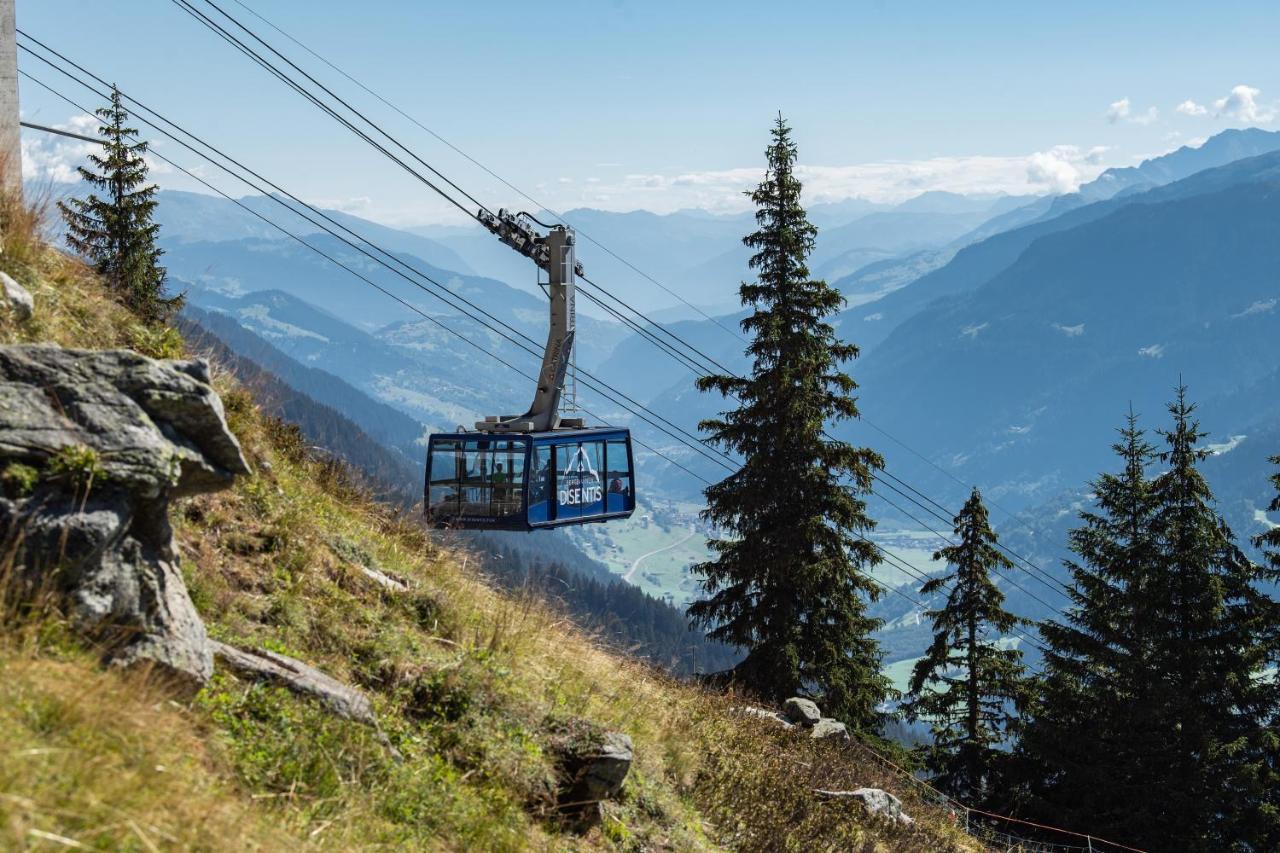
x,y
474,688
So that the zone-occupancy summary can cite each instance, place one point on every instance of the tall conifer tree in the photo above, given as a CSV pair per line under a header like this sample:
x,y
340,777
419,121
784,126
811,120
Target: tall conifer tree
x,y
1156,721
966,685
1087,726
116,232
1218,633
789,579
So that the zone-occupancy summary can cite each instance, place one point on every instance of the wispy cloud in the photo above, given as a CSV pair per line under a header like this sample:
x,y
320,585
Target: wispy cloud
x,y
1122,110
1059,169
1191,108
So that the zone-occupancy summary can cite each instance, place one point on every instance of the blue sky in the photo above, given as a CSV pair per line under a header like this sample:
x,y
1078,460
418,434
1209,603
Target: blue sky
x,y
662,105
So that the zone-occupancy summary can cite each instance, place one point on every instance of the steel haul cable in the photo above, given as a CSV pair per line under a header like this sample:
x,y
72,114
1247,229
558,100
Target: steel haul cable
x,y
435,288
320,252
297,87
635,269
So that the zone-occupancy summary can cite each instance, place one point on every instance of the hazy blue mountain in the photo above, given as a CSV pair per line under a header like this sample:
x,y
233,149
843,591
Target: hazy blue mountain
x,y
394,473
1218,150
1020,382
384,424
700,255
976,264
186,217
243,266
440,386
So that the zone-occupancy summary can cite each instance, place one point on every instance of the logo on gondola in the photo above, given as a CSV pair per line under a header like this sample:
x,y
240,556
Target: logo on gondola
x,y
581,482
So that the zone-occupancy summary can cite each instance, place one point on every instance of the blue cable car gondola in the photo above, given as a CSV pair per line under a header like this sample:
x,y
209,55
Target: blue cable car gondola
x,y
482,481
536,470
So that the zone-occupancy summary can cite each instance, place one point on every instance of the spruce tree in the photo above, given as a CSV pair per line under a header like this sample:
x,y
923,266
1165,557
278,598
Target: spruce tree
x,y
966,686
116,232
1155,724
788,581
1217,634
1086,731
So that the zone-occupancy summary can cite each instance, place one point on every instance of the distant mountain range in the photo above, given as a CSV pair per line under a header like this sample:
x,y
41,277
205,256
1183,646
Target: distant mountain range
x,y
1003,339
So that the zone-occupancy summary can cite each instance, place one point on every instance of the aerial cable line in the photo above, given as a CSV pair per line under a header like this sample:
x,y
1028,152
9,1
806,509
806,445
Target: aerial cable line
x,y
192,10
317,250
1021,559
951,541
893,559
443,293
902,565
592,380
271,68
698,447
485,169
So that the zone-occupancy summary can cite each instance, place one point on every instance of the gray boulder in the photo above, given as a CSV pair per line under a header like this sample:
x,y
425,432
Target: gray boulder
x,y
592,764
143,431
802,711
17,298
604,767
878,802
158,426
829,728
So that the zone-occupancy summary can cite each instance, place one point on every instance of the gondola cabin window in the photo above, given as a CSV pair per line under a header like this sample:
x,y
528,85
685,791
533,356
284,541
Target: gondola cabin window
x,y
480,477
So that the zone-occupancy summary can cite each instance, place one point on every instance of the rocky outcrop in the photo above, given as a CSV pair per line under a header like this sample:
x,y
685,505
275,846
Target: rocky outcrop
x,y
805,714
878,802
16,298
593,764
264,665
828,728
104,440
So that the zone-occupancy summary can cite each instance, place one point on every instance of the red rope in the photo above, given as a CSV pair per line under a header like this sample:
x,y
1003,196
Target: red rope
x,y
909,775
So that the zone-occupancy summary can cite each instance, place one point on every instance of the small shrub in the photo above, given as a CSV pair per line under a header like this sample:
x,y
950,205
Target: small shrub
x,y
19,480
78,465
157,341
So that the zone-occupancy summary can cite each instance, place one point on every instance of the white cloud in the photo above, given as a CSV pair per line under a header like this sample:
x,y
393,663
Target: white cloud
x,y
1059,169
1063,168
354,205
1242,105
46,157
1122,110
1070,331
973,330
1153,351
1191,108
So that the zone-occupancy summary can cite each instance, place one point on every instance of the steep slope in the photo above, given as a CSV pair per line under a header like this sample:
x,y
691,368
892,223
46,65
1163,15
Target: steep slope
x,y
395,475
479,695
1033,369
186,217
975,265
384,424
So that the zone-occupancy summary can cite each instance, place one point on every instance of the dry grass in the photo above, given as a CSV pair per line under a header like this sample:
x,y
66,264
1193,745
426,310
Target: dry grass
x,y
107,761
473,687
